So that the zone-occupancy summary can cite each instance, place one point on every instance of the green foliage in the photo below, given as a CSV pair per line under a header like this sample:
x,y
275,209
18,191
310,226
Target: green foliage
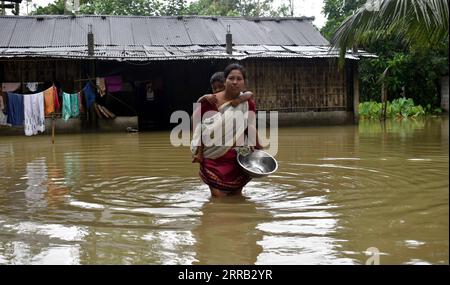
x,y
414,66
370,109
210,7
121,7
336,11
101,7
282,11
174,7
398,108
56,8
422,22
414,71
252,8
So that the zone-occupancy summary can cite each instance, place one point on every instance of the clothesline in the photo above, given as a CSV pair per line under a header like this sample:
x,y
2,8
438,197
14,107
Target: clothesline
x,y
30,110
113,83
84,79
26,94
90,98
53,85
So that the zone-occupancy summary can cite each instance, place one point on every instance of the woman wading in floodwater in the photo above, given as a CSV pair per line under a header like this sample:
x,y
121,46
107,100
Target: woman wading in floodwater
x,y
218,166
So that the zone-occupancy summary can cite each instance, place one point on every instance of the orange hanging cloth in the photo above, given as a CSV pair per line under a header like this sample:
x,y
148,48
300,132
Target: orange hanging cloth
x,y
49,100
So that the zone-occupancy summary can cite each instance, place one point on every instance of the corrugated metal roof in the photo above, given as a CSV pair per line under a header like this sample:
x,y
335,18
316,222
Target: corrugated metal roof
x,y
244,32
205,32
145,53
168,31
159,38
140,32
6,32
273,30
128,30
121,32
60,33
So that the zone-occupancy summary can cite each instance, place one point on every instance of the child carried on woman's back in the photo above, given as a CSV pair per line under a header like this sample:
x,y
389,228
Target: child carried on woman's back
x,y
217,82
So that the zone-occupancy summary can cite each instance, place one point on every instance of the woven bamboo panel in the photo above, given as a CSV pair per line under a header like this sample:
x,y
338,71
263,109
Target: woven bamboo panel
x,y
296,84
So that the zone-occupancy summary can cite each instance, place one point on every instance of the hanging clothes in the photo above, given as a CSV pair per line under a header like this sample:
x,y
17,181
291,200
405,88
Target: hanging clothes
x,y
80,102
34,118
15,109
3,117
70,106
74,105
2,105
50,96
56,99
10,87
114,83
101,86
89,94
32,86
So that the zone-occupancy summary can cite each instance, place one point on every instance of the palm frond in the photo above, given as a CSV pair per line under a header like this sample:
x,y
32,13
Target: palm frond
x,y
420,21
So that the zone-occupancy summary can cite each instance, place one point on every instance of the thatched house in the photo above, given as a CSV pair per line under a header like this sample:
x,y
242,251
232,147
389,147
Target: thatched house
x,y
289,65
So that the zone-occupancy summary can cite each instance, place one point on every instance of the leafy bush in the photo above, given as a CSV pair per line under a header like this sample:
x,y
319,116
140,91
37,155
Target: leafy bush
x,y
400,107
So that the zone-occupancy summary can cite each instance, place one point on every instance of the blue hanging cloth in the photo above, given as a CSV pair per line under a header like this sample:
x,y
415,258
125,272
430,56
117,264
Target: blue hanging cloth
x,y
15,109
89,94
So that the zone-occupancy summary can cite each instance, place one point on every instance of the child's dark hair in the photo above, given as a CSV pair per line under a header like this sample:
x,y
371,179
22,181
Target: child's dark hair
x,y
218,76
232,67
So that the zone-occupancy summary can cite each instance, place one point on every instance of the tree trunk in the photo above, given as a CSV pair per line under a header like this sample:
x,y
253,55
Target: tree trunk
x,y
383,95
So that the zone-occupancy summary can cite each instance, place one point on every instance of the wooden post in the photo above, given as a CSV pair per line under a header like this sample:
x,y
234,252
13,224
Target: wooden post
x,y
355,92
53,129
383,101
384,94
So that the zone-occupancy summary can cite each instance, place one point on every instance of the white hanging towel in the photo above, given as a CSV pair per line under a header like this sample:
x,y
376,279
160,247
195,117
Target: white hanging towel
x,y
41,112
3,117
33,105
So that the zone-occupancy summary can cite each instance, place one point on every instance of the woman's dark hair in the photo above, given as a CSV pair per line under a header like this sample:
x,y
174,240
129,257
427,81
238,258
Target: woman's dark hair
x,y
232,67
218,76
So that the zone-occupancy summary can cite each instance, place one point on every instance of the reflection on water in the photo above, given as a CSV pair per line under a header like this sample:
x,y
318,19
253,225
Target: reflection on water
x,y
36,184
134,199
227,231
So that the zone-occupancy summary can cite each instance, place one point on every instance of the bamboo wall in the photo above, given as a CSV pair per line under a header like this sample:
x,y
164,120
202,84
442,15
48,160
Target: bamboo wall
x,y
284,85
297,85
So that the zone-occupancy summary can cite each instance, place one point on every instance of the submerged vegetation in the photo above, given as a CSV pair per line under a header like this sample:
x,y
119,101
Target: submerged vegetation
x,y
398,108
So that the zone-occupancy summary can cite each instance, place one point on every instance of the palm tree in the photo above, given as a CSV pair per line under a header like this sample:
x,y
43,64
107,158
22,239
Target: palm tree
x,y
422,22
419,22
